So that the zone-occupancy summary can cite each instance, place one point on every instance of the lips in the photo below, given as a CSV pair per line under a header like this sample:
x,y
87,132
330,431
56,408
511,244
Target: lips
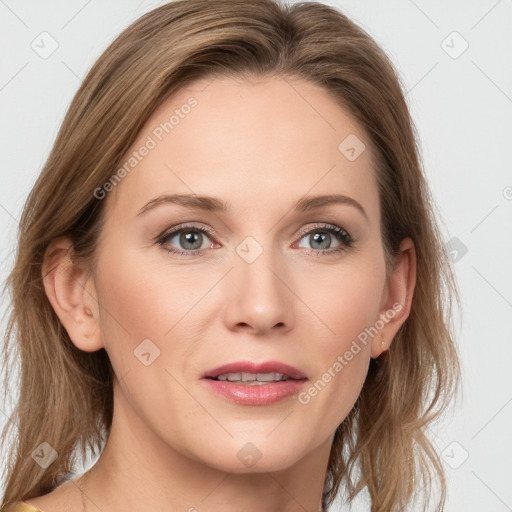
x,y
254,384
290,372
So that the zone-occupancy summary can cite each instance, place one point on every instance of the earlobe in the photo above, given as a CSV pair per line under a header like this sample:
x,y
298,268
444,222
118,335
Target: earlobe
x,y
72,295
400,290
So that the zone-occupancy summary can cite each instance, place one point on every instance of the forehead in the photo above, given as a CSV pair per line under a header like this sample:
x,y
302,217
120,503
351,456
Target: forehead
x,y
267,141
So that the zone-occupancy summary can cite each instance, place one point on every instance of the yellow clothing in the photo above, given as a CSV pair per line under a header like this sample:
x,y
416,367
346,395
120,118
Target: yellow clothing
x,y
20,506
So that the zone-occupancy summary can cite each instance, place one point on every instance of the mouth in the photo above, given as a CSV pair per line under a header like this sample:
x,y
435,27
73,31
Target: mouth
x,y
253,379
248,383
250,373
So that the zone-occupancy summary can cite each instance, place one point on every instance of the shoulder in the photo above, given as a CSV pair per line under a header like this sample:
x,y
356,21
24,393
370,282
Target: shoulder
x,y
65,498
20,506
61,499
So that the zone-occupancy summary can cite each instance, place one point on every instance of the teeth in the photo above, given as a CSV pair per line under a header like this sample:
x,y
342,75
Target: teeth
x,y
253,377
268,377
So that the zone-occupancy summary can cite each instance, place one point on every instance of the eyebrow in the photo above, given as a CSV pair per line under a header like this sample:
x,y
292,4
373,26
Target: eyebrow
x,y
213,204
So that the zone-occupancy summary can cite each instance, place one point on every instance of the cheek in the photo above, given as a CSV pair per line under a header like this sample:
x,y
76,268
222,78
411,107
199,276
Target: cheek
x,y
345,299
147,335
347,303
143,298
139,302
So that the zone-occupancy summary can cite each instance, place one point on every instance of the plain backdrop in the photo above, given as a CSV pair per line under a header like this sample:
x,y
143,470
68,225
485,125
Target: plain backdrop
x,y
455,62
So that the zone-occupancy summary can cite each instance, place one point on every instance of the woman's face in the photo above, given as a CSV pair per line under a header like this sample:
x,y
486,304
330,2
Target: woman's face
x,y
265,282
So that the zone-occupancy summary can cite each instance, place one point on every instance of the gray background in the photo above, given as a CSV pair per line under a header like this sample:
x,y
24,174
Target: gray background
x,y
461,101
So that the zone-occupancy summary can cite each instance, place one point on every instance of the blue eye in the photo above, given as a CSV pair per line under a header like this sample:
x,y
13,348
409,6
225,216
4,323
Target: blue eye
x,y
193,240
322,237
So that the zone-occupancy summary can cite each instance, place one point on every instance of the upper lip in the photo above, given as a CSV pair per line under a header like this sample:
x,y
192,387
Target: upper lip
x,y
251,367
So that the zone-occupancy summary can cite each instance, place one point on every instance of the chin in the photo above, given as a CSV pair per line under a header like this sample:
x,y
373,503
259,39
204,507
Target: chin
x,y
258,456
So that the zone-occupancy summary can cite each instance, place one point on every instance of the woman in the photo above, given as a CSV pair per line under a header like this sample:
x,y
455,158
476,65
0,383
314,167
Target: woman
x,y
300,343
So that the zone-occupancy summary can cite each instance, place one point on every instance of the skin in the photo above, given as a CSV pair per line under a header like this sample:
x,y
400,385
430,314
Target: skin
x,y
259,145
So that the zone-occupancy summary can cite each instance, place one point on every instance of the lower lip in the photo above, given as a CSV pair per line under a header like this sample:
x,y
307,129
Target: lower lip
x,y
259,394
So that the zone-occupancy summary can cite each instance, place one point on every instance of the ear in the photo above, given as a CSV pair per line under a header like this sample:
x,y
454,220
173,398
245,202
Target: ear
x,y
72,294
397,297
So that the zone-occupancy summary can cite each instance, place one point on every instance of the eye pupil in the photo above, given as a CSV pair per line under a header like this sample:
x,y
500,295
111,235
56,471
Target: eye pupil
x,y
324,244
193,237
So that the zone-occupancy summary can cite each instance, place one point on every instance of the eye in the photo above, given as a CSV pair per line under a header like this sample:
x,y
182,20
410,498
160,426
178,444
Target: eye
x,y
322,237
192,239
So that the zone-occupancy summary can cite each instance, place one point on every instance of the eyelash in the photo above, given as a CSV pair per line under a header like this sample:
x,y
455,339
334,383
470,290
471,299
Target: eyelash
x,y
340,234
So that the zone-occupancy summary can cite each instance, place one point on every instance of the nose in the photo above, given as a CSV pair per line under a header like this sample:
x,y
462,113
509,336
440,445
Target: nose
x,y
258,297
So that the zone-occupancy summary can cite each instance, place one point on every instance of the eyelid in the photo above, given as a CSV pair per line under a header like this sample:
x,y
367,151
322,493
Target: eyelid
x,y
328,227
176,229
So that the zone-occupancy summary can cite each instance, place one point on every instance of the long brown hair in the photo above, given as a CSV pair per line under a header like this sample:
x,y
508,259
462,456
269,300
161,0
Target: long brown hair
x,y
65,394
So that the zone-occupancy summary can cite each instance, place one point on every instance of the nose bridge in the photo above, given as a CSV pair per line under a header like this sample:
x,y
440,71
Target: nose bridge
x,y
258,297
